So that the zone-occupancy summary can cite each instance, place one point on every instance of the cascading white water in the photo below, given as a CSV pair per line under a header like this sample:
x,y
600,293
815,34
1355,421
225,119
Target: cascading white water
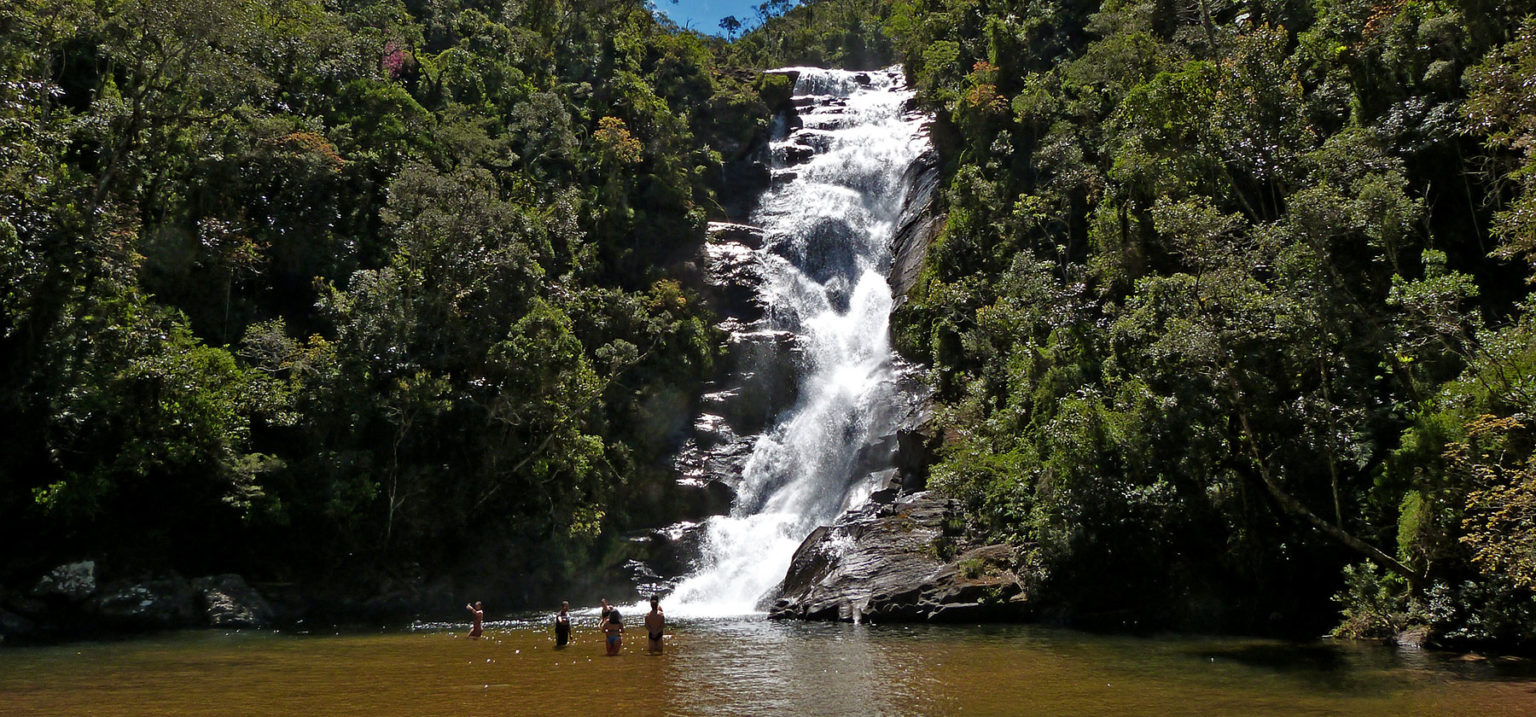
x,y
829,223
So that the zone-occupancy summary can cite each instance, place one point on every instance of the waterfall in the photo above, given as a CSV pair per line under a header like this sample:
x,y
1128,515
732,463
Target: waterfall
x,y
828,220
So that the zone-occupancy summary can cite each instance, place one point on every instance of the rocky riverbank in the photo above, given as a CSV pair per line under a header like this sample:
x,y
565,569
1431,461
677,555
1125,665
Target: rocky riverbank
x,y
71,601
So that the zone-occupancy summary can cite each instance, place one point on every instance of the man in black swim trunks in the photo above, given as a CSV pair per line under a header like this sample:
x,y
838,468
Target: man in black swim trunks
x,y
563,625
655,624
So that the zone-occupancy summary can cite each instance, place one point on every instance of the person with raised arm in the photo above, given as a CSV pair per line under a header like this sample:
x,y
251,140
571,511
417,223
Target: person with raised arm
x,y
479,615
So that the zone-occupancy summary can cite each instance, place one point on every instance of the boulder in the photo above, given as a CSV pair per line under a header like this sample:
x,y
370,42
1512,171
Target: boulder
x,y
73,582
881,562
227,601
797,154
153,604
731,232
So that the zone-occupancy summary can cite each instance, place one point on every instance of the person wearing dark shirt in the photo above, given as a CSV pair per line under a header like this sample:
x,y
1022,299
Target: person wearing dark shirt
x,y
563,625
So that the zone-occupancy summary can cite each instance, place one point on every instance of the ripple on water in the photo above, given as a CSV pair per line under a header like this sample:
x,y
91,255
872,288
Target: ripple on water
x,y
749,666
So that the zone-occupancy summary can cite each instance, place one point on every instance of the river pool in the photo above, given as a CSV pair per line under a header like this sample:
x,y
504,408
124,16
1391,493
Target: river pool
x,y
750,666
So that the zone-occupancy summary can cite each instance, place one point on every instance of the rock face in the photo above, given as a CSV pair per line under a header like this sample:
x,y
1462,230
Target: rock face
x,y
919,224
881,562
227,601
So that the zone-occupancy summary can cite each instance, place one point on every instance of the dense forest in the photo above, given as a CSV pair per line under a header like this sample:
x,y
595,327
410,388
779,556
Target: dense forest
x,y
1231,310
1229,321
329,291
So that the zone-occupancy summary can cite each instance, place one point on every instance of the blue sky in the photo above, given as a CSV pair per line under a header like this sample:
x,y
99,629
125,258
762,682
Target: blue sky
x,y
704,15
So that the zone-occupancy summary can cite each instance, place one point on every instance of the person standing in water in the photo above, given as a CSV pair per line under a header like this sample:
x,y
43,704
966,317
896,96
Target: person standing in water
x,y
613,628
655,624
602,615
563,625
479,614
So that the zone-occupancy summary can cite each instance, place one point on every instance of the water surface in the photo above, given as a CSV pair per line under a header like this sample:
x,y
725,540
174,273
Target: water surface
x,y
751,666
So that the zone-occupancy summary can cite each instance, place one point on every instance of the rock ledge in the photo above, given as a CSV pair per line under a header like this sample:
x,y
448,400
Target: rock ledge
x,y
882,562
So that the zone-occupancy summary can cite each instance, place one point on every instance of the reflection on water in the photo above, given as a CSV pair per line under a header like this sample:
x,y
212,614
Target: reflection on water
x,y
751,666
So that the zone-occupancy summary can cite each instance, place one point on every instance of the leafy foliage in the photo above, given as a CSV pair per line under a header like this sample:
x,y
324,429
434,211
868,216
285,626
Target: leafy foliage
x,y
1219,305
333,291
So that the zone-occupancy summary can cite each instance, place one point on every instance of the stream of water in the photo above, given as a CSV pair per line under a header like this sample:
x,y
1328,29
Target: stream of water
x,y
751,666
828,221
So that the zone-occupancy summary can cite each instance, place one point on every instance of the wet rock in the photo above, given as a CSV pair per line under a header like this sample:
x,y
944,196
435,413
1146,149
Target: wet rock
x,y
711,430
817,140
719,401
703,498
743,234
862,78
886,480
664,556
875,456
720,463
732,277
767,365
154,604
73,582
227,601
919,224
676,548
797,153
912,457
742,181
880,562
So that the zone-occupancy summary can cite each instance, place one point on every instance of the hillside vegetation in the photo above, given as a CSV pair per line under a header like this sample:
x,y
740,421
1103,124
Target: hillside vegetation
x,y
348,292
1231,311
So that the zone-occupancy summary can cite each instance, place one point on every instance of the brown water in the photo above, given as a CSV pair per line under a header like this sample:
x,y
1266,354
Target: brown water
x,y
750,666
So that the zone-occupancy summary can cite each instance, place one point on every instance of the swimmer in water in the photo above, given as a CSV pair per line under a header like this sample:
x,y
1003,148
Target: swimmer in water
x,y
479,614
613,628
563,625
655,624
